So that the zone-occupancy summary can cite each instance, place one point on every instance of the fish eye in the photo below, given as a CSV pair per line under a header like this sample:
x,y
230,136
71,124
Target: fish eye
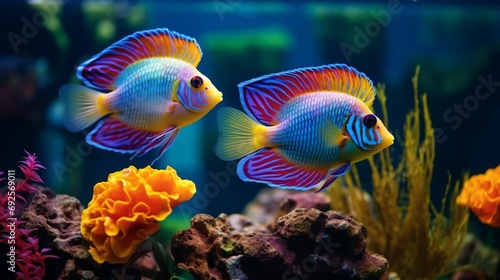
x,y
369,120
196,81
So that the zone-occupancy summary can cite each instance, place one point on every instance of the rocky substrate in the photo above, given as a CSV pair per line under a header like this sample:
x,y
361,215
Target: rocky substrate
x,y
298,239
55,221
302,244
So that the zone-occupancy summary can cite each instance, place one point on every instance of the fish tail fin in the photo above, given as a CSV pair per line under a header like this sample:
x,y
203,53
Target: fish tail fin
x,y
239,134
83,106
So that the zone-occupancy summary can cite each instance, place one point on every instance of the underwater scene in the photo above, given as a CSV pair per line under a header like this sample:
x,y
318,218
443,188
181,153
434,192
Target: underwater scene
x,y
250,140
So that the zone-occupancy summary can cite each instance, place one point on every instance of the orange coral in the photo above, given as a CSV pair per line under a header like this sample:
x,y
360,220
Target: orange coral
x,y
126,209
481,193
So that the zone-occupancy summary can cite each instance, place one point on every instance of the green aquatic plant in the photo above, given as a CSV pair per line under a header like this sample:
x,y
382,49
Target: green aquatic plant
x,y
419,240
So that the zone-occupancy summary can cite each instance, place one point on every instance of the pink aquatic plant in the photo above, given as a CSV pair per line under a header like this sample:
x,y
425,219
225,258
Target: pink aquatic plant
x,y
29,166
30,259
3,202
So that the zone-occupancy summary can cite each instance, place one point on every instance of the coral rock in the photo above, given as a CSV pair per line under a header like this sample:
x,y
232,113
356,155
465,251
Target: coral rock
x,y
57,218
56,221
245,224
272,203
265,205
305,200
305,243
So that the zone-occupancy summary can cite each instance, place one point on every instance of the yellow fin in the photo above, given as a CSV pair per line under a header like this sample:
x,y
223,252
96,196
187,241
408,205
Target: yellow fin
x,y
333,134
348,80
239,134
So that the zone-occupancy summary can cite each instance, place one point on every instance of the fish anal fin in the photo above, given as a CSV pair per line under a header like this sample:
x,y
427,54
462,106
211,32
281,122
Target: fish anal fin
x,y
267,166
113,135
334,174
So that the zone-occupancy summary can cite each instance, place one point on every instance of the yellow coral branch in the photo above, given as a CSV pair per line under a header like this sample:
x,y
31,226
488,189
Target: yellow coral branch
x,y
403,225
128,207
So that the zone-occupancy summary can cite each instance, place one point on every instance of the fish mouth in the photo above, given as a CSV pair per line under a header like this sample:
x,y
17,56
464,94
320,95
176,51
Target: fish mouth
x,y
389,140
216,97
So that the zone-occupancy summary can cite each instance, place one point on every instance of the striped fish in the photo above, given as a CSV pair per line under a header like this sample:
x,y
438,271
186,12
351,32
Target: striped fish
x,y
155,90
302,127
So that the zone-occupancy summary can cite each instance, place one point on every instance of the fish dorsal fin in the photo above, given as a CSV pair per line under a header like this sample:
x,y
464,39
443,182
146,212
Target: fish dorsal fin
x,y
101,70
263,97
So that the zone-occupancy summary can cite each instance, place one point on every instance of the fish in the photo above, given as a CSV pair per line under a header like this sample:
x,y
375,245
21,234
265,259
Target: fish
x,y
302,127
141,90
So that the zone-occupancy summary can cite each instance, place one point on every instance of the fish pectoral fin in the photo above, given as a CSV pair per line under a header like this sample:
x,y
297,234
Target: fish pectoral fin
x,y
267,166
342,141
334,135
113,135
339,138
334,174
172,107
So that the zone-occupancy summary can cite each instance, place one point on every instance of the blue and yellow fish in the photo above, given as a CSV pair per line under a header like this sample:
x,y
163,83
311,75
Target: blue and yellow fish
x,y
155,89
303,127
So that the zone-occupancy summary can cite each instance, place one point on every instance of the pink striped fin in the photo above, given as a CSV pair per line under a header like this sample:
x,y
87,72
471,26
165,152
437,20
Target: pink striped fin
x,y
334,174
263,97
101,70
113,135
266,166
